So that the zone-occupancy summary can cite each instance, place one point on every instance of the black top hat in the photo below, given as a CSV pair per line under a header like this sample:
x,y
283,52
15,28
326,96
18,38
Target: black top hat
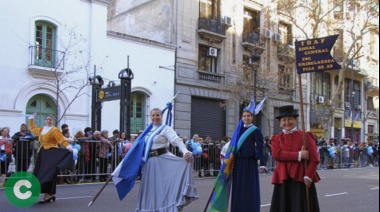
x,y
286,111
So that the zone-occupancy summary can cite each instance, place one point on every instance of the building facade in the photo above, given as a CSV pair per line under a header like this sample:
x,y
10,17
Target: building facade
x,y
53,50
216,54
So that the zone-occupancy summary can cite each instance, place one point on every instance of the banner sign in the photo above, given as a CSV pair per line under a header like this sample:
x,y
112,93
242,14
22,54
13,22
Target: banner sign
x,y
313,55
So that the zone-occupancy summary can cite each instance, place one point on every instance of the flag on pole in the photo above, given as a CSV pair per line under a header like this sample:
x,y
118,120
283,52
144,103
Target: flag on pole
x,y
356,117
259,106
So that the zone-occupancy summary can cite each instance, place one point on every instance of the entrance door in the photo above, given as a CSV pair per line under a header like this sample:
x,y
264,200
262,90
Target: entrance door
x,y
137,112
43,105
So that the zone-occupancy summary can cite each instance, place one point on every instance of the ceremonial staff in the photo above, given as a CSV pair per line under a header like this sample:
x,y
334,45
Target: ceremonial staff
x,y
313,55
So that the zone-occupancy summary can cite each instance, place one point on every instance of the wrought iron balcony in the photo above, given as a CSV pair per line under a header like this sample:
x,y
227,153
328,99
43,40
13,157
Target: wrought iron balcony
x,y
46,62
211,29
252,41
210,77
286,52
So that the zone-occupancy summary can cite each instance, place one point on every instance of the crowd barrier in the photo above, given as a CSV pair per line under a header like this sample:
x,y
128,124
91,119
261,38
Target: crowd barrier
x,y
90,166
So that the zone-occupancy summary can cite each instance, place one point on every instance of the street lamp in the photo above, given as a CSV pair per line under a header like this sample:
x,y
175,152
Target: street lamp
x,y
125,76
96,106
253,60
351,112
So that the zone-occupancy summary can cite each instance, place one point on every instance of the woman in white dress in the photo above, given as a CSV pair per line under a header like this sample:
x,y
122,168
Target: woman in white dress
x,y
167,184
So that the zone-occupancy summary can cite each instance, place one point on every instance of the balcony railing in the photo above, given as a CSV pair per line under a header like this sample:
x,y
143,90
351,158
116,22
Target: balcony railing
x,y
212,25
212,29
285,51
210,77
253,40
47,57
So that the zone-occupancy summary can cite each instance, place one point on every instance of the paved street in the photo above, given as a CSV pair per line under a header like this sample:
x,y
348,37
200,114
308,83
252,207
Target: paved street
x,y
340,190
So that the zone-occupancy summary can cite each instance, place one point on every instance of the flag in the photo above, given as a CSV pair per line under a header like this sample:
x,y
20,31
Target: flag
x,y
356,117
259,107
125,174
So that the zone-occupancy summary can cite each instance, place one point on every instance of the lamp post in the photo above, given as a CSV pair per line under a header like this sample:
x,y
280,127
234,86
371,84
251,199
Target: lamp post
x,y
96,106
253,60
125,76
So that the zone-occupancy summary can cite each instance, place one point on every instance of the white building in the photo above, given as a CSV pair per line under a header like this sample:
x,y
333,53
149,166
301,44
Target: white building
x,y
50,43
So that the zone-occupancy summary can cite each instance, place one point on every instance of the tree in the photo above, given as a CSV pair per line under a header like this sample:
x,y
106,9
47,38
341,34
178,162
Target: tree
x,y
354,18
69,69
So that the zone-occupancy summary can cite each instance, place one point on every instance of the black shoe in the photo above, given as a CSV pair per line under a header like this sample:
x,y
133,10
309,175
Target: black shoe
x,y
43,201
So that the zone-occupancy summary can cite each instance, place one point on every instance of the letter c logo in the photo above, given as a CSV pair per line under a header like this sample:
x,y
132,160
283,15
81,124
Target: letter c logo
x,y
22,189
17,192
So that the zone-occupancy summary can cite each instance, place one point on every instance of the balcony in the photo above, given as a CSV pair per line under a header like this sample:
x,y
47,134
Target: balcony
x,y
210,77
252,41
286,52
212,30
46,63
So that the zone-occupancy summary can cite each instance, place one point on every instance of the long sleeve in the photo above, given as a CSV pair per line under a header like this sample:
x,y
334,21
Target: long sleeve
x,y
285,148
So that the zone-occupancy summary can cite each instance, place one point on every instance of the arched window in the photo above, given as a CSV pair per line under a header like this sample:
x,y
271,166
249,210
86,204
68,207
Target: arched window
x,y
138,111
45,44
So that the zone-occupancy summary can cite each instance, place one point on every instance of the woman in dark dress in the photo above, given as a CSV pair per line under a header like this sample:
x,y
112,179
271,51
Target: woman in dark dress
x,y
245,176
290,178
50,157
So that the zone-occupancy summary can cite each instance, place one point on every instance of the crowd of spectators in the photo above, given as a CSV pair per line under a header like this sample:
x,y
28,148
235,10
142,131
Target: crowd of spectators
x,y
100,153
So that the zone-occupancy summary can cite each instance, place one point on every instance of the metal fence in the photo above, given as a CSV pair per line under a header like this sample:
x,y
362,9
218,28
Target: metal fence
x,y
91,165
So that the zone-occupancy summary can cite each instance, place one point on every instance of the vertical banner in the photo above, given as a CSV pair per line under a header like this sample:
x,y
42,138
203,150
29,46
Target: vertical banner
x,y
313,55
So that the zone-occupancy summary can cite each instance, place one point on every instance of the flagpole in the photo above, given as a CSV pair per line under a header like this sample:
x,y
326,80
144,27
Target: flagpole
x,y
303,135
100,191
209,199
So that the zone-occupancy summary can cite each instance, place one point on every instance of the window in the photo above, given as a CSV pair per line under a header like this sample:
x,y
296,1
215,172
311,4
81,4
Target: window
x,y
251,21
323,85
338,47
352,95
370,105
285,30
205,62
137,113
285,78
209,9
45,44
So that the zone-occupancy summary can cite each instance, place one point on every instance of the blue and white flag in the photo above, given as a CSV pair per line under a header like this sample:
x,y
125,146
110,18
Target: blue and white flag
x,y
356,117
259,106
126,173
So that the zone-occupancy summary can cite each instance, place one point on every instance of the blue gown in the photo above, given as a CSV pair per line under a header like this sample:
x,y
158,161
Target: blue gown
x,y
245,181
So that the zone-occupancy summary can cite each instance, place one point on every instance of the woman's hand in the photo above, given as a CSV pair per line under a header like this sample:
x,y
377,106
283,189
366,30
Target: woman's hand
x,y
188,157
307,181
304,153
68,147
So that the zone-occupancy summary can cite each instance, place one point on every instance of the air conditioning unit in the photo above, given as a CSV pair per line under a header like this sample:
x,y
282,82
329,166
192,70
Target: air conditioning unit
x,y
347,104
212,52
227,21
277,37
267,33
321,100
358,107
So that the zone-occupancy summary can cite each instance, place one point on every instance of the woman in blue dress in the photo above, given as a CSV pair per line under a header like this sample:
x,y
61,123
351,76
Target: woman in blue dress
x,y
245,176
